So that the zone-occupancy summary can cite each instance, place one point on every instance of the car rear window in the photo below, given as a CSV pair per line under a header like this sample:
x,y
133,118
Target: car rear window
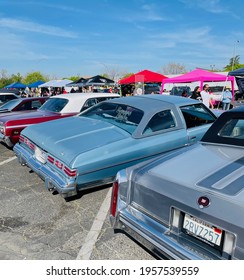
x,y
54,104
234,128
121,115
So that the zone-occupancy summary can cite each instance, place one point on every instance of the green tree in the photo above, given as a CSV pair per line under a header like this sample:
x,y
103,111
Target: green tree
x,y
17,78
74,78
33,77
5,79
234,64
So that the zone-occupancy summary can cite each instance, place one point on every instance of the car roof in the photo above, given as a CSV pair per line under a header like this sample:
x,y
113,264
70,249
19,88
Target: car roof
x,y
84,95
35,97
154,100
76,100
9,93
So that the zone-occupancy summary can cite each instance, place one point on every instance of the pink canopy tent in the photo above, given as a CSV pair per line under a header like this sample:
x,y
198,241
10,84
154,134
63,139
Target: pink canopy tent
x,y
203,76
144,76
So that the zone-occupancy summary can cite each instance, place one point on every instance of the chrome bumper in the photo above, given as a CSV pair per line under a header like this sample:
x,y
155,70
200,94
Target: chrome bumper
x,y
52,180
6,140
157,238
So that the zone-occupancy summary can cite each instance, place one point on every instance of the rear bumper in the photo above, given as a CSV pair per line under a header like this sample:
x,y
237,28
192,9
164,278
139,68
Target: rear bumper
x,y
157,238
52,180
6,140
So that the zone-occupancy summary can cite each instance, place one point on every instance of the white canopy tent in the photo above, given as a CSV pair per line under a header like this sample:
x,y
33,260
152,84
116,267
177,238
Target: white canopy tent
x,y
56,83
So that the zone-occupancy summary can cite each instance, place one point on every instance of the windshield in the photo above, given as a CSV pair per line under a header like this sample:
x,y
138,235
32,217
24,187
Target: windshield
x,y
121,115
10,104
54,104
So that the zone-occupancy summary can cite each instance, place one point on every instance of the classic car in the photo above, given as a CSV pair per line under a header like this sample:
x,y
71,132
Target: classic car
x,y
188,203
22,104
56,107
108,137
7,95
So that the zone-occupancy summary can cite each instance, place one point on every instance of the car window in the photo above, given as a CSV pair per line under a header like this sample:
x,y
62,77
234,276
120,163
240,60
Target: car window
x,y
234,128
54,104
93,101
90,102
35,104
10,104
160,121
25,106
196,115
121,115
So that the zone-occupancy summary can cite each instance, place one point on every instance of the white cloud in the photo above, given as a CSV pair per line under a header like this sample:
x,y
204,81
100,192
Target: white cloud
x,y
34,27
211,6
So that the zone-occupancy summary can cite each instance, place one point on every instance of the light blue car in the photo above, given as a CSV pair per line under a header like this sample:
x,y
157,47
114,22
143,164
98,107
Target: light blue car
x,y
87,150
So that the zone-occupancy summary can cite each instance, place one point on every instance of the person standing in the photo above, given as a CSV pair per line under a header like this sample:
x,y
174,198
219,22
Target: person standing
x,y
196,93
226,98
206,99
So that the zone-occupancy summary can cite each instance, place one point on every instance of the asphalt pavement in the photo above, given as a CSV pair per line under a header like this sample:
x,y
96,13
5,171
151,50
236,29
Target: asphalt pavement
x,y
38,225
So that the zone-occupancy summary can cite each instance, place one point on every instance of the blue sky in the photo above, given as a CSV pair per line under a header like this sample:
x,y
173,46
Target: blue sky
x,y
85,38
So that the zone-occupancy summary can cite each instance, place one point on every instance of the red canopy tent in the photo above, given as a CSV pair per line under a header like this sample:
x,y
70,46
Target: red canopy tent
x,y
203,76
144,76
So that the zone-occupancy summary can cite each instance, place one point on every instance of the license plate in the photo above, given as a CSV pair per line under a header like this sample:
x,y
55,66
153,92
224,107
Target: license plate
x,y
40,155
202,230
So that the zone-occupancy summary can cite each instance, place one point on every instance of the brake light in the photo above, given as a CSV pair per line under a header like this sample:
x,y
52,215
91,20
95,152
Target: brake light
x,y
26,141
31,145
21,138
50,159
70,172
59,164
114,198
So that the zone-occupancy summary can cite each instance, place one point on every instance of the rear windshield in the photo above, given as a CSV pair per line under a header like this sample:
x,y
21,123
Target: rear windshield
x,y
54,104
234,128
121,115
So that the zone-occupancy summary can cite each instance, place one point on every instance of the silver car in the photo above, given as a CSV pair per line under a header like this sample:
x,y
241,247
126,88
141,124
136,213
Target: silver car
x,y
189,203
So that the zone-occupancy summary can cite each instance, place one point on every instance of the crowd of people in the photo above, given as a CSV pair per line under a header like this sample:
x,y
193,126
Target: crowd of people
x,y
203,95
206,98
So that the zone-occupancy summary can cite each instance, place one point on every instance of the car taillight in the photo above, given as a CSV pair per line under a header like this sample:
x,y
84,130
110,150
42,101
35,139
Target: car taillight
x,y
26,141
70,172
61,166
114,198
21,138
50,159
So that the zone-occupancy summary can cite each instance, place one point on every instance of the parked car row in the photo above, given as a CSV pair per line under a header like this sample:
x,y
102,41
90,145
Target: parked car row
x,y
87,150
176,169
55,107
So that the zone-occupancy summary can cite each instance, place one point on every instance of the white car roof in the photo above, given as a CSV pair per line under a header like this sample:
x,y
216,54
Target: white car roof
x,y
9,93
76,100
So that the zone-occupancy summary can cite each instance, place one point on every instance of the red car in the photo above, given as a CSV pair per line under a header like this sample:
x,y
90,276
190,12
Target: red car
x,y
22,104
56,107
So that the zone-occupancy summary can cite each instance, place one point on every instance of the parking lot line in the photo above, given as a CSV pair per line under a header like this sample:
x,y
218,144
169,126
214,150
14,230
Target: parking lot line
x,y
91,238
7,160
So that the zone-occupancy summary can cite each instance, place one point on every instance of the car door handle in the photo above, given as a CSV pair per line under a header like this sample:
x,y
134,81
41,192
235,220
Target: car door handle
x,y
193,138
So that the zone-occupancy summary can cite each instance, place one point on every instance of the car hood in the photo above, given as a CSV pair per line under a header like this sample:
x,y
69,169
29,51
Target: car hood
x,y
21,115
71,136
